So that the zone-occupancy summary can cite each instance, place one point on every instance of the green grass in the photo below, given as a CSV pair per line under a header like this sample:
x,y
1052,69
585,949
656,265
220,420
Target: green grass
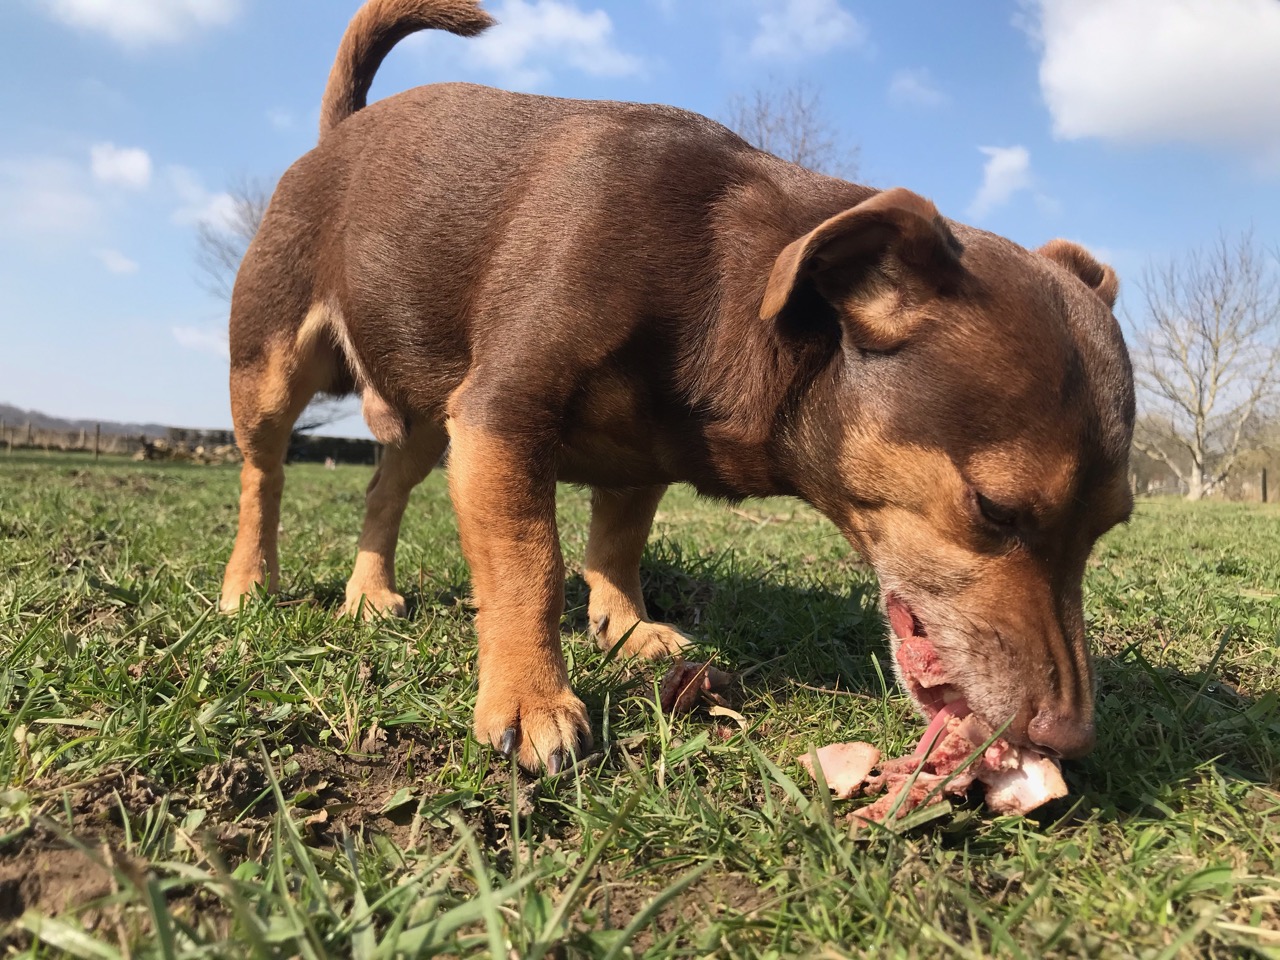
x,y
288,784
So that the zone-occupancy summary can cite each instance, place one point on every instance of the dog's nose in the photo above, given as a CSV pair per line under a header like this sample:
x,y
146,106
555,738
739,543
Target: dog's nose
x,y
1061,736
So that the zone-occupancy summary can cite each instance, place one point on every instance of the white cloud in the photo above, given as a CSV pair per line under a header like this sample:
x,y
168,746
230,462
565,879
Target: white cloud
x,y
212,341
1156,71
120,166
534,38
143,23
101,95
281,119
198,205
47,197
115,261
1047,205
1007,170
915,88
790,29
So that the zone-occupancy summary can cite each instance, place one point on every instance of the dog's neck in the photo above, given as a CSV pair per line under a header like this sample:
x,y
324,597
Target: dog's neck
x,y
749,376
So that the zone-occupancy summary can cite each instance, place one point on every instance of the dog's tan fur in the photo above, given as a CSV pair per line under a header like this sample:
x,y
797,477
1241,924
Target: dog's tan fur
x,y
620,522
372,588
630,296
508,529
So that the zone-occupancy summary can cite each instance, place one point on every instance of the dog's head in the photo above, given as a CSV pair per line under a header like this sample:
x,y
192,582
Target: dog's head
x,y
972,443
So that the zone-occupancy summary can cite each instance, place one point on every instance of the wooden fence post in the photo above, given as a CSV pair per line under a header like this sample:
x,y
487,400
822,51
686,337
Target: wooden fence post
x,y
97,437
1264,484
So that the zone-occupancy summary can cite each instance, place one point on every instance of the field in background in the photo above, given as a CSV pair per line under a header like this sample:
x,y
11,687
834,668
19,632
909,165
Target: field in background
x,y
177,784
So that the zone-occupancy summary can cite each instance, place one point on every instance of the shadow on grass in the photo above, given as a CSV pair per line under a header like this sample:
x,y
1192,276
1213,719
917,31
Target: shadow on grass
x,y
1158,727
1161,728
331,594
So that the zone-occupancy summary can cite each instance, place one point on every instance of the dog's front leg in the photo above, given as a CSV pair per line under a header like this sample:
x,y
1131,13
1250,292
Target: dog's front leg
x,y
620,522
504,495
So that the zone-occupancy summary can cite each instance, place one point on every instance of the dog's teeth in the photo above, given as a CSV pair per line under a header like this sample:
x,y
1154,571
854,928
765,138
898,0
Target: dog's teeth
x,y
951,695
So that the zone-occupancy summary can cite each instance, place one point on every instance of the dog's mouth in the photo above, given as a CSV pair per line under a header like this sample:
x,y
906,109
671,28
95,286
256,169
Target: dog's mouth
x,y
922,671
925,677
1020,778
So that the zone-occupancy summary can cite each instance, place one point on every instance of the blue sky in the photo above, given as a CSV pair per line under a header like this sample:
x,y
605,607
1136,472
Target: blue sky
x,y
1137,127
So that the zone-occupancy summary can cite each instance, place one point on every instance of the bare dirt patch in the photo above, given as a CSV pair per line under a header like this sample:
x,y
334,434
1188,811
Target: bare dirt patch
x,y
58,869
50,881
51,870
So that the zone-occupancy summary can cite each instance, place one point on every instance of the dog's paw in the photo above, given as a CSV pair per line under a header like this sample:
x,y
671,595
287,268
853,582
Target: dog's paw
x,y
238,594
371,604
542,732
229,603
648,639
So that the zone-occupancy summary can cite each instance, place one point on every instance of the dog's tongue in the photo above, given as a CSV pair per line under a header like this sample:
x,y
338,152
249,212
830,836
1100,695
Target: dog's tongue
x,y
956,709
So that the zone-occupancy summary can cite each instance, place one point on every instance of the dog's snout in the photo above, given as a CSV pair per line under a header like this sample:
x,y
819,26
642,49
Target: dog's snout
x,y
1060,736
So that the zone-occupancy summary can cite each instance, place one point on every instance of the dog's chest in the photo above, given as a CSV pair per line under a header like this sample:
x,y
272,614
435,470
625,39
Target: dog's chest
x,y
613,435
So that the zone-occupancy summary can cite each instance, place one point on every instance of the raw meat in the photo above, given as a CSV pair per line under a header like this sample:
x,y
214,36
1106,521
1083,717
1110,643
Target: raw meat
x,y
689,685
844,765
1036,781
919,661
1017,779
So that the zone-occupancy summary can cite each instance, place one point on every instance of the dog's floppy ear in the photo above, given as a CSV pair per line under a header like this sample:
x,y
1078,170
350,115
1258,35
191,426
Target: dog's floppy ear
x,y
1098,277
859,260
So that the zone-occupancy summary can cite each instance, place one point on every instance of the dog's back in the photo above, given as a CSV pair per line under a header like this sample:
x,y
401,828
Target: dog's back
x,y
487,198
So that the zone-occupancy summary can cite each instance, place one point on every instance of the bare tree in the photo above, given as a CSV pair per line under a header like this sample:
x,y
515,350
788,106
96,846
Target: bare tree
x,y
221,246
1207,361
791,123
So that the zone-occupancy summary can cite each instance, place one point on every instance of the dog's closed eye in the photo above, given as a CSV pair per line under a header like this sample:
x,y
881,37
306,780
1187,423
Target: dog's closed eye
x,y
997,514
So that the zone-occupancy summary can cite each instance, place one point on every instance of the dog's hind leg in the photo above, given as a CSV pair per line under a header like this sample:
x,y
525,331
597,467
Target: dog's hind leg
x,y
620,522
371,589
274,375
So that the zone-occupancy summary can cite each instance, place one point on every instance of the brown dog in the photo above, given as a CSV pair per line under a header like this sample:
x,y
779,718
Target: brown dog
x,y
630,296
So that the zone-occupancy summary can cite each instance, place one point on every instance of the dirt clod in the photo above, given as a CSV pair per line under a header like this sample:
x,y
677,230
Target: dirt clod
x,y
231,786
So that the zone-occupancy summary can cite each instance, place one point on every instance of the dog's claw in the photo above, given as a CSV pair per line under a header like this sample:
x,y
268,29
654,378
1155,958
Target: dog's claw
x,y
508,746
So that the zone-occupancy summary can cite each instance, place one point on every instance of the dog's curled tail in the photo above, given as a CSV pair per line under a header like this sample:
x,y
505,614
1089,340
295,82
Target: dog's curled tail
x,y
377,27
